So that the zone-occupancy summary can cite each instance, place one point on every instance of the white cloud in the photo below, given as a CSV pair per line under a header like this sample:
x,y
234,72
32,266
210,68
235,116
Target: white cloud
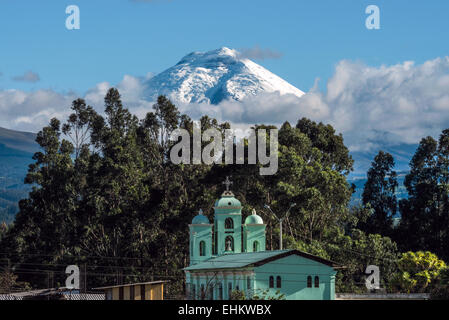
x,y
30,111
388,105
373,107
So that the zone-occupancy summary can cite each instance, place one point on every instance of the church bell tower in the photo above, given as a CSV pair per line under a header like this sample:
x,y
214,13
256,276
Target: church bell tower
x,y
227,223
200,239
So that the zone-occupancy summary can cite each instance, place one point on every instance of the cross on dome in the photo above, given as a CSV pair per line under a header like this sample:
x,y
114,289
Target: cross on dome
x,y
227,183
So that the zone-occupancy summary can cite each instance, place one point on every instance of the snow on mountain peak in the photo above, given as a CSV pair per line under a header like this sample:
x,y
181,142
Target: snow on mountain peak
x,y
214,76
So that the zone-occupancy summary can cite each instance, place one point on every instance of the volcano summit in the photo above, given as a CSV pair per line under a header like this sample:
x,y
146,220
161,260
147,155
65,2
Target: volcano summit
x,y
214,76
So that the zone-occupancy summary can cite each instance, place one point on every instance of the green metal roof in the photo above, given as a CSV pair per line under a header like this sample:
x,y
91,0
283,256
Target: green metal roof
x,y
240,260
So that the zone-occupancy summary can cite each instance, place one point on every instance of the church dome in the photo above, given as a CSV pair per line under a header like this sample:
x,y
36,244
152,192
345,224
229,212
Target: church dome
x,y
227,200
200,219
253,218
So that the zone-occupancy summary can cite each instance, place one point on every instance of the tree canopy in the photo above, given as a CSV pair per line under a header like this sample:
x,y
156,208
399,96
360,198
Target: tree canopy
x,y
106,196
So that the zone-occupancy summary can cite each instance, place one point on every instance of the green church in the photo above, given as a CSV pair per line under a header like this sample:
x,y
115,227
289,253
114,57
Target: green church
x,y
227,256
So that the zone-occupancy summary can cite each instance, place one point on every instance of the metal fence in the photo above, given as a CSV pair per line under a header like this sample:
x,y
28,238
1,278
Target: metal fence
x,y
4,297
58,296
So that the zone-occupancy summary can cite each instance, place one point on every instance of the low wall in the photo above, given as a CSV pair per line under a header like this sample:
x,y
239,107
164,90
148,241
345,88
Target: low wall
x,y
382,296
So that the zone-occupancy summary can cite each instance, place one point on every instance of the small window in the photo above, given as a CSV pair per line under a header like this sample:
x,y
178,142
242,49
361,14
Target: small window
x,y
229,290
255,246
271,282
248,283
278,282
309,282
193,292
317,282
229,223
142,292
202,249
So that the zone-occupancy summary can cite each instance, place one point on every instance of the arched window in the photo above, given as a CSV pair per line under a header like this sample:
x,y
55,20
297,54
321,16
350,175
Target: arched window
x,y
317,282
229,223
202,248
229,243
255,246
271,282
278,282
309,282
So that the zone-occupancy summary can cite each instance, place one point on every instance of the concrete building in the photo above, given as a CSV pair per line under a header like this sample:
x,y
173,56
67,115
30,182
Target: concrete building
x,y
153,290
227,255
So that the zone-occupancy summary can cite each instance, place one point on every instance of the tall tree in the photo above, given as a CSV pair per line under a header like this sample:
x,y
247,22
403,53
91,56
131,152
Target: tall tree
x,y
425,214
333,151
113,202
379,194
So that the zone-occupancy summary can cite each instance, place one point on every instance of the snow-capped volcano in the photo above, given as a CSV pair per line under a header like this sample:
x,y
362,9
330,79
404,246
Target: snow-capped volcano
x,y
214,76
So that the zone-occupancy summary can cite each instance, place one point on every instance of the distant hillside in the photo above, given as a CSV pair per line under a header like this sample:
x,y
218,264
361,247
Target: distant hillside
x,y
402,155
359,183
16,151
18,140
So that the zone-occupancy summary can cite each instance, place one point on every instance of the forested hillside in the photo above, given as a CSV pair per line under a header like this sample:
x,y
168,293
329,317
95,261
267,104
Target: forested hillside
x,y
16,152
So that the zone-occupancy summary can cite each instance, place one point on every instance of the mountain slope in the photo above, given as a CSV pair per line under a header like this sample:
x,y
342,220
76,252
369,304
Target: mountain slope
x,y
16,151
18,140
215,76
402,155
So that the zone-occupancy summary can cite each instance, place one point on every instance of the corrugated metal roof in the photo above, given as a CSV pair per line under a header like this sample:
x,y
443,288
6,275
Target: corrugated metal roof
x,y
240,260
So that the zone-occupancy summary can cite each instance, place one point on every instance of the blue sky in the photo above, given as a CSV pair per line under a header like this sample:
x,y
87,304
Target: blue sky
x,y
119,37
382,89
